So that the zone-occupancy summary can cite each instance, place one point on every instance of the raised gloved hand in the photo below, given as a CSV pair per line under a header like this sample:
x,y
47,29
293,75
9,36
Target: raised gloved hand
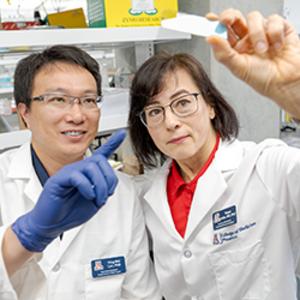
x,y
69,198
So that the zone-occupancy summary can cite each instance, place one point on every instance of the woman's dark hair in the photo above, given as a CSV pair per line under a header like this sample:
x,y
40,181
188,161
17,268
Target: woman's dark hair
x,y
149,81
28,67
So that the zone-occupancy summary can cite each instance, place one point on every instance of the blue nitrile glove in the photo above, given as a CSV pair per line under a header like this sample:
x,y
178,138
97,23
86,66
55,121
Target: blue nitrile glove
x,y
69,198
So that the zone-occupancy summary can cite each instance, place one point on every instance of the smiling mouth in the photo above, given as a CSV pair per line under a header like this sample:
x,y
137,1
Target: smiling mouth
x,y
73,133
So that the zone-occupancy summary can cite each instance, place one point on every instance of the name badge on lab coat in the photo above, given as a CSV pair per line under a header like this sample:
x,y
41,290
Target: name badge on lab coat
x,y
224,217
108,266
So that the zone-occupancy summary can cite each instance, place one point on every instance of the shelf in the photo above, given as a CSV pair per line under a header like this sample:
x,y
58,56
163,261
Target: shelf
x,y
6,91
104,36
5,62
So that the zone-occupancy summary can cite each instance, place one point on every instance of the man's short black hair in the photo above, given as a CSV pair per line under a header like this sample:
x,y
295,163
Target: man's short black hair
x,y
28,67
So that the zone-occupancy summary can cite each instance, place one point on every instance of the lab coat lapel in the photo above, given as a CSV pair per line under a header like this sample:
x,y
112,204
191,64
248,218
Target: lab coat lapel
x,y
68,237
212,185
64,244
21,169
33,188
156,197
209,189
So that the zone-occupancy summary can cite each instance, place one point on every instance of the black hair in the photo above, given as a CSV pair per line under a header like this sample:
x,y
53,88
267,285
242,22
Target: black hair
x,y
28,67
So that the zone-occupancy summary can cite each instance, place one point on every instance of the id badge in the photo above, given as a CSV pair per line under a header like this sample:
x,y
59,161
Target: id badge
x,y
225,217
108,266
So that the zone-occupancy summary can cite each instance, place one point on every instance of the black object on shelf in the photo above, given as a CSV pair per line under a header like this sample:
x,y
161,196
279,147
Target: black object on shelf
x,y
38,19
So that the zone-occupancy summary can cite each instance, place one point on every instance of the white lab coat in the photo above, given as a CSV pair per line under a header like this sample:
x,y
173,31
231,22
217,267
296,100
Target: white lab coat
x,y
63,270
255,258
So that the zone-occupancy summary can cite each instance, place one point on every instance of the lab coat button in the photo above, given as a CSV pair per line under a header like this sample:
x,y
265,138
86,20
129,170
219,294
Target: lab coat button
x,y
56,267
187,253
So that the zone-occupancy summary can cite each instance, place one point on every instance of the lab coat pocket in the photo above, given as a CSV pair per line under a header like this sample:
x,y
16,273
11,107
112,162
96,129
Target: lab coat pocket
x,y
242,274
107,287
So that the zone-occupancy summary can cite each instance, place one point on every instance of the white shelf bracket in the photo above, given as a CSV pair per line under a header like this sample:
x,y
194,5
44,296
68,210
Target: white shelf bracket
x,y
143,52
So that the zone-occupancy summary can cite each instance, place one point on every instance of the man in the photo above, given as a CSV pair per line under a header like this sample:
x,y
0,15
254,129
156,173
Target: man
x,y
68,240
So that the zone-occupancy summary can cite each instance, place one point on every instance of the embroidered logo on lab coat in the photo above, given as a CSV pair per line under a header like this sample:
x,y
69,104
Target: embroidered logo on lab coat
x,y
220,238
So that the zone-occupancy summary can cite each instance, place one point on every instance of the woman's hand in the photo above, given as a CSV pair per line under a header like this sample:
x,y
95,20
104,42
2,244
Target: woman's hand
x,y
263,52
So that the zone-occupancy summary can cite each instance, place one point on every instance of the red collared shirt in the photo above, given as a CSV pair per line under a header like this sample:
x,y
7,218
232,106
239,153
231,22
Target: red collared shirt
x,y
180,193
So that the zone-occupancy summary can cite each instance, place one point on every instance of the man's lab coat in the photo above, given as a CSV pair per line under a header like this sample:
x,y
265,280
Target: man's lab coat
x,y
63,271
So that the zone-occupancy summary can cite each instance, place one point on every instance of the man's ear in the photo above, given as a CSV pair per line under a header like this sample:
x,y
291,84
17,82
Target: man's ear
x,y
22,111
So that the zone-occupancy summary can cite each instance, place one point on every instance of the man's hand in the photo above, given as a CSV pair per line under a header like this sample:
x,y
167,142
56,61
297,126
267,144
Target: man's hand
x,y
69,198
263,52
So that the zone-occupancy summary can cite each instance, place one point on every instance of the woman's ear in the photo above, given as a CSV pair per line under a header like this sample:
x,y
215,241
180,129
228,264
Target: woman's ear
x,y
22,111
211,113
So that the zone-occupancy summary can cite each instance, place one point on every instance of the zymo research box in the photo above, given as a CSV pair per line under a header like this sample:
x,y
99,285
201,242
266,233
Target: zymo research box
x,y
127,13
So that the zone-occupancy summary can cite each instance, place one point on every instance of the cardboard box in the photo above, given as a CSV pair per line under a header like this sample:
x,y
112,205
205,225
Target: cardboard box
x,y
73,18
127,13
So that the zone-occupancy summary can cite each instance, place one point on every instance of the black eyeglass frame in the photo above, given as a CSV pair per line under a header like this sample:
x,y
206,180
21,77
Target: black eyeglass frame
x,y
41,98
142,113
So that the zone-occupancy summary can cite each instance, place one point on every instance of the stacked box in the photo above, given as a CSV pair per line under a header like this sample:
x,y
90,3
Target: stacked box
x,y
127,13
96,13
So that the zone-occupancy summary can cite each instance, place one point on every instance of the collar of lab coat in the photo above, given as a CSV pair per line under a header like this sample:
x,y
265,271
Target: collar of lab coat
x,y
21,168
230,154
209,187
21,163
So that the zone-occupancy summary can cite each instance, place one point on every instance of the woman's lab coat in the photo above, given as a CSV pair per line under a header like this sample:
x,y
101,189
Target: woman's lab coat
x,y
63,270
243,234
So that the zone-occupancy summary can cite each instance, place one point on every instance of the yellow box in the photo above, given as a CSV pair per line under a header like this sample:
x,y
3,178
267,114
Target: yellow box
x,y
73,18
126,13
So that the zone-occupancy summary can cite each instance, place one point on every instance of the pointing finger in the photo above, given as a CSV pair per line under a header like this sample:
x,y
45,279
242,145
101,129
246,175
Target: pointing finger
x,y
112,144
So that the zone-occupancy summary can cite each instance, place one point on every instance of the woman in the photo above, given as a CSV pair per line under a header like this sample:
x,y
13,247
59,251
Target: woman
x,y
224,215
